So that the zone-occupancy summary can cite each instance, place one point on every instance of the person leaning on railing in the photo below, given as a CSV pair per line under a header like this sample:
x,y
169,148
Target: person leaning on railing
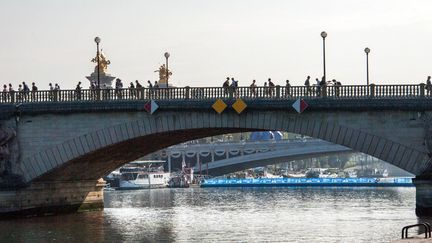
x,y
337,86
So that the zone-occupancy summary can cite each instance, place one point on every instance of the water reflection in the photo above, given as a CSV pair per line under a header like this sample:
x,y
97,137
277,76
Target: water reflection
x,y
71,228
231,214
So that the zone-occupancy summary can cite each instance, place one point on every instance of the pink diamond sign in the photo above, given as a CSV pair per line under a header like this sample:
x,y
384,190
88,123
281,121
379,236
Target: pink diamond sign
x,y
151,106
300,105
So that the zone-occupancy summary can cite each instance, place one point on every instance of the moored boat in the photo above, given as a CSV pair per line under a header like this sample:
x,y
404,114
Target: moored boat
x,y
142,174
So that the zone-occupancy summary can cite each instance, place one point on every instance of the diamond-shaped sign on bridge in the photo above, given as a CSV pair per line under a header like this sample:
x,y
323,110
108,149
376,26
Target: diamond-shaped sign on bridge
x,y
219,106
300,105
239,105
151,106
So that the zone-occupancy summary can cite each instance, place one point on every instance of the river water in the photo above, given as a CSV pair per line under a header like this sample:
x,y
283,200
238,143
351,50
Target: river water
x,y
229,215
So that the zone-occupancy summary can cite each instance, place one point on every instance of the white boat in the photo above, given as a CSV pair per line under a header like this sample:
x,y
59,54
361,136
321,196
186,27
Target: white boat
x,y
141,180
141,175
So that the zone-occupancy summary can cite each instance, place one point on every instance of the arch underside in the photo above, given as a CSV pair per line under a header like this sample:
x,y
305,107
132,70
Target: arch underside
x,y
113,146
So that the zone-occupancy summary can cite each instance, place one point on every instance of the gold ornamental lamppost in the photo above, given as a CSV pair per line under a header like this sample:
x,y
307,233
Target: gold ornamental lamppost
x,y
167,55
98,40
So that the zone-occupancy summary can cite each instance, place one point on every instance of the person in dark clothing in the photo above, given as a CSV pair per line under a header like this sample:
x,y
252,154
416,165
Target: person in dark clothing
x,y
307,84
337,86
33,91
5,94
428,85
322,85
26,91
253,88
225,86
271,87
118,88
78,91
138,87
287,89
132,90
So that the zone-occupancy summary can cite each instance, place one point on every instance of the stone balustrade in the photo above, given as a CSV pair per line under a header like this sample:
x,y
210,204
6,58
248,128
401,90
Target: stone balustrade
x,y
204,93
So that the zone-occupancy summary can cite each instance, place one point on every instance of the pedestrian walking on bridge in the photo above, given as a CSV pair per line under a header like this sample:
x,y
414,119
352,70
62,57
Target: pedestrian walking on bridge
x,y
307,85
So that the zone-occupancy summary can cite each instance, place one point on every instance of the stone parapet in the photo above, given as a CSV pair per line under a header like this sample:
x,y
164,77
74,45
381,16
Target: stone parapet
x,y
52,197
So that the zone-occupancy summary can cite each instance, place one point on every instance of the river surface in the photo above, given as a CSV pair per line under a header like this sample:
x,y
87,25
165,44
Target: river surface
x,y
229,215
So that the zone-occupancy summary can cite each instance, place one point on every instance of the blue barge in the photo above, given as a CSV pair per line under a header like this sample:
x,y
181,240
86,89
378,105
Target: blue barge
x,y
310,182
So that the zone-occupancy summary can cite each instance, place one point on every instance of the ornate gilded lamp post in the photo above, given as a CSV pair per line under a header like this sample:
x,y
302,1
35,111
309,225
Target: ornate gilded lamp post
x,y
324,35
167,55
97,40
367,50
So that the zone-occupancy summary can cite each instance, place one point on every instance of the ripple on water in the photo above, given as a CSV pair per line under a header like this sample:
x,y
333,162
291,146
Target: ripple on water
x,y
230,215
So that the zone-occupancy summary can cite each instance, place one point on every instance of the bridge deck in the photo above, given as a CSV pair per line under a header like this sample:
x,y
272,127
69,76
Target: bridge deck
x,y
324,104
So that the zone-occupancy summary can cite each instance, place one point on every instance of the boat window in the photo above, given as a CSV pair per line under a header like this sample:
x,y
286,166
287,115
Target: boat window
x,y
129,176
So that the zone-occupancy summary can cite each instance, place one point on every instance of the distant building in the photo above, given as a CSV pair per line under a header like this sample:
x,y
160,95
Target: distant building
x,y
265,136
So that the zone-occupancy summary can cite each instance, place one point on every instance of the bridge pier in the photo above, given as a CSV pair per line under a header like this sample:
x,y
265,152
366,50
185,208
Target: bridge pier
x,y
52,197
423,196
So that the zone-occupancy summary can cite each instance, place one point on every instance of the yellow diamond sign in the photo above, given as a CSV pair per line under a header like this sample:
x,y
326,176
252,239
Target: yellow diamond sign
x,y
239,106
219,106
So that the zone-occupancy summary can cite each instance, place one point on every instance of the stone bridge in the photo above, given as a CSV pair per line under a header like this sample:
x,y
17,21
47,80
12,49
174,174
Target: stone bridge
x,y
56,146
222,158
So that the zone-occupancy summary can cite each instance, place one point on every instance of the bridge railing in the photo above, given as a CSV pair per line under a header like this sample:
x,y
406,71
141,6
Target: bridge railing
x,y
203,93
399,90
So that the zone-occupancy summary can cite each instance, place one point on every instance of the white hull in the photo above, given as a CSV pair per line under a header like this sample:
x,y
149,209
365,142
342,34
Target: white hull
x,y
146,181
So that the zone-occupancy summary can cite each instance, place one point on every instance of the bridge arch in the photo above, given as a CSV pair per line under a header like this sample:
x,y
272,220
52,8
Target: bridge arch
x,y
95,153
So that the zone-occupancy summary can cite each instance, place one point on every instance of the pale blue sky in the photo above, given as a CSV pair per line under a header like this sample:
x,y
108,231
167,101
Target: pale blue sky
x,y
52,40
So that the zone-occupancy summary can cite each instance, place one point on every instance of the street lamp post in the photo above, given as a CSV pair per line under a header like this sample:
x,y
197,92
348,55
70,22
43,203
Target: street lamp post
x,y
97,40
324,35
167,55
367,50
